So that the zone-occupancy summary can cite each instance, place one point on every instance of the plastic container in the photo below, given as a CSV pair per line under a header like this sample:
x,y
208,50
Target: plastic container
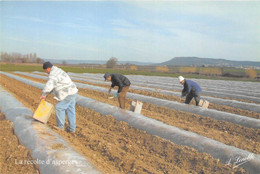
x,y
43,112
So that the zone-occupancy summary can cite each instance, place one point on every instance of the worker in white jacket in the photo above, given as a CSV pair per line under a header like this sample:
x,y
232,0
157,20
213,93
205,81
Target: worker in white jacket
x,y
65,92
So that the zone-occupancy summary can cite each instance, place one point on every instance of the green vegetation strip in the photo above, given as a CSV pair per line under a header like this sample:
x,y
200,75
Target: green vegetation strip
x,y
81,69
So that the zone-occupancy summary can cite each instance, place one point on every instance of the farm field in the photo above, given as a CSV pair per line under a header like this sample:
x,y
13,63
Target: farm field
x,y
116,147
129,87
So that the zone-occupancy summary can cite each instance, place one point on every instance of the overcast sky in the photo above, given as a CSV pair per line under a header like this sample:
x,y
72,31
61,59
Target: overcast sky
x,y
146,31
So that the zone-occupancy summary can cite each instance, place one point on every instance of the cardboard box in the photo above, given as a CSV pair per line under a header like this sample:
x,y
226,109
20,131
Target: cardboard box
x,y
136,107
203,103
43,112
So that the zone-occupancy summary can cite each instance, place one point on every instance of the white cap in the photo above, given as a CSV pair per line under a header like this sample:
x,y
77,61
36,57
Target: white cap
x,y
181,78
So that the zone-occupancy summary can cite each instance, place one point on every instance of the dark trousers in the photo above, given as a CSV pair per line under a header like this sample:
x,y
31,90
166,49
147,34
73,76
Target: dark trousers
x,y
122,97
191,95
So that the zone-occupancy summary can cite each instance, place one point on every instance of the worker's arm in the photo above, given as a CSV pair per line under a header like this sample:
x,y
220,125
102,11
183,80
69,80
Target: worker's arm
x,y
112,86
185,90
183,93
116,95
110,89
48,88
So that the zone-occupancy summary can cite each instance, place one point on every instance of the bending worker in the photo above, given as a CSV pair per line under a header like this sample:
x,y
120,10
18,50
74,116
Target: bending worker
x,y
191,89
65,92
123,86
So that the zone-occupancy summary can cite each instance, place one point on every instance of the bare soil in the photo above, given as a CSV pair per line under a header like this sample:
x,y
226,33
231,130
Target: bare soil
x,y
14,157
116,147
223,131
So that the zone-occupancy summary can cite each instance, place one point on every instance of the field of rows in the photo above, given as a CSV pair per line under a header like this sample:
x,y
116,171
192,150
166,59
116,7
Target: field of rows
x,y
193,139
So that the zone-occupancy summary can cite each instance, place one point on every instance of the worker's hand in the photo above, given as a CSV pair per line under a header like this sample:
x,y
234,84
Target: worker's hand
x,y
116,95
43,97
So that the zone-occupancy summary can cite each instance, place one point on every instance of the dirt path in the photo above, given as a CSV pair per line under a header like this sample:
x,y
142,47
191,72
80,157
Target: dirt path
x,y
14,157
115,147
223,131
226,132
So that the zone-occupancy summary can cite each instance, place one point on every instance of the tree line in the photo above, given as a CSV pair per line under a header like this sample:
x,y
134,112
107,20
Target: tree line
x,y
15,57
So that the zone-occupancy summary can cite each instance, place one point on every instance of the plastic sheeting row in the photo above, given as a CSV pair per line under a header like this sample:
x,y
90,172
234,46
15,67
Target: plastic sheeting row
x,y
241,88
206,83
232,103
202,144
40,139
218,115
222,94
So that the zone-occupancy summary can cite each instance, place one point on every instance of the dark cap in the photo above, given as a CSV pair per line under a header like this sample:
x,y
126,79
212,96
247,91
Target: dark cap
x,y
106,76
47,65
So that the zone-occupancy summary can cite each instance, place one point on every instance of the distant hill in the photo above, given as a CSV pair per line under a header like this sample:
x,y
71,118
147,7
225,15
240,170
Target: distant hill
x,y
195,61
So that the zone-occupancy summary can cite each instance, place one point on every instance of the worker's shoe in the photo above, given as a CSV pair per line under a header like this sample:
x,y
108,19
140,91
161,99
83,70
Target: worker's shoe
x,y
70,130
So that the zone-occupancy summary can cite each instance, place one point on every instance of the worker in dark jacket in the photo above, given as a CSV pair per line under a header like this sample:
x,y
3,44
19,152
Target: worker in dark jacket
x,y
191,89
123,86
